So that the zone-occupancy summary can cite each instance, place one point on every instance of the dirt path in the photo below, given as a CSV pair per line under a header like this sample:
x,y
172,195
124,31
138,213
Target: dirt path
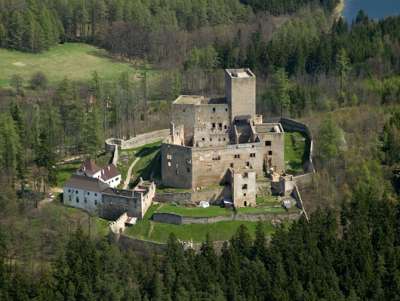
x,y
129,174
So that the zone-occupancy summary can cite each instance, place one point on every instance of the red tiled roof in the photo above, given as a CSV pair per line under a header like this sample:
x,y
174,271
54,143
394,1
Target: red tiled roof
x,y
89,166
109,172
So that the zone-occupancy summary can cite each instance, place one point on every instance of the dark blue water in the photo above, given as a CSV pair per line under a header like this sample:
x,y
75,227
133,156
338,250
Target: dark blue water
x,y
376,9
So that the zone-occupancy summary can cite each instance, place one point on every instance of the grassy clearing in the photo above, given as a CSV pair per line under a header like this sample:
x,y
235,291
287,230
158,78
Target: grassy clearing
x,y
295,150
160,232
195,211
76,61
65,171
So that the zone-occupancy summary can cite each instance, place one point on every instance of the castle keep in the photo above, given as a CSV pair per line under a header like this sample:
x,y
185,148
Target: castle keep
x,y
222,141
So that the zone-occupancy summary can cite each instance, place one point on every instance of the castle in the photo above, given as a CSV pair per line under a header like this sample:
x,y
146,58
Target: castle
x,y
222,141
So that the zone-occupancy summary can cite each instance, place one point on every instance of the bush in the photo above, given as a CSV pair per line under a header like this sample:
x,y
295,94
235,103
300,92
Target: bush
x,y
38,81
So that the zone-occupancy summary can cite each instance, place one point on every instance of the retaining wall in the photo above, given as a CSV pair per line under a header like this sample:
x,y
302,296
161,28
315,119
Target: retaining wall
x,y
175,219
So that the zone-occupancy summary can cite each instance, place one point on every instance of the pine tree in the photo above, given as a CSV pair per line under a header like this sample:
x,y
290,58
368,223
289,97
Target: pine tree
x,y
10,146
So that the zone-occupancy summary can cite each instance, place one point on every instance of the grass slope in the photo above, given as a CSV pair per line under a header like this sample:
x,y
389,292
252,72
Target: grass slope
x,y
76,61
295,148
148,162
159,232
195,211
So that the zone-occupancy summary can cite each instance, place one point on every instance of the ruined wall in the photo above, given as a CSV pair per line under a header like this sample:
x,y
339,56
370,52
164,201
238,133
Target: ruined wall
x,y
118,226
176,166
244,189
211,164
184,114
213,195
138,141
147,199
212,125
114,206
274,150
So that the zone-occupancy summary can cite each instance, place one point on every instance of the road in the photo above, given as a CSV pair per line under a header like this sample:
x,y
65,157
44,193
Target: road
x,y
129,174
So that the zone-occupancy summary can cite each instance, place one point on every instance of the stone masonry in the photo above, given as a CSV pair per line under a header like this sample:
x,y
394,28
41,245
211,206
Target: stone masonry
x,y
215,140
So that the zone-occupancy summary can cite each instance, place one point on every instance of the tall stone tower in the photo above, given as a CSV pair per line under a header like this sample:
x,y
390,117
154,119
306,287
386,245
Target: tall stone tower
x,y
240,85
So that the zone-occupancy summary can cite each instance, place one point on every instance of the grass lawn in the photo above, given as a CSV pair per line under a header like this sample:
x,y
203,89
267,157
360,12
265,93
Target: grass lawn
x,y
65,171
148,161
160,232
255,210
267,201
295,150
76,61
194,211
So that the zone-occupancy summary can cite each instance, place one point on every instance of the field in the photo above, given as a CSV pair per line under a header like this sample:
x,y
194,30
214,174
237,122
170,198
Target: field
x,y
295,148
75,61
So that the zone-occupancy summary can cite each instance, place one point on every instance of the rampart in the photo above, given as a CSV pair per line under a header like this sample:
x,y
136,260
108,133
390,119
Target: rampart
x,y
113,144
118,226
137,141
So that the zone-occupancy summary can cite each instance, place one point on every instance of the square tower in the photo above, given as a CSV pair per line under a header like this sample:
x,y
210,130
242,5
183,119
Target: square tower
x,y
240,86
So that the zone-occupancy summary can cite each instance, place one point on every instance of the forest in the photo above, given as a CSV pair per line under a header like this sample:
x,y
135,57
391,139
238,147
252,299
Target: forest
x,y
340,78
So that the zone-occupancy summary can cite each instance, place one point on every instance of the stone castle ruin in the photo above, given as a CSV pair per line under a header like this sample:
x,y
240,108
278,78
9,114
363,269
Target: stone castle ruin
x,y
222,141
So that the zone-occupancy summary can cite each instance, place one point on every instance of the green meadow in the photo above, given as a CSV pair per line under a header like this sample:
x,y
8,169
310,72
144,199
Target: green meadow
x,y
76,61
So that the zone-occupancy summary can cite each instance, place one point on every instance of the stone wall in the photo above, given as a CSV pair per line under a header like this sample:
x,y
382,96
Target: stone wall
x,y
175,219
241,93
184,198
176,166
114,205
118,226
113,144
212,125
137,141
291,125
210,164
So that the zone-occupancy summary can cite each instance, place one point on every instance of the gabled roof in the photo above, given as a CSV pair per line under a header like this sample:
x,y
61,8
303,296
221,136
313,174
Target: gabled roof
x,y
109,172
89,166
85,183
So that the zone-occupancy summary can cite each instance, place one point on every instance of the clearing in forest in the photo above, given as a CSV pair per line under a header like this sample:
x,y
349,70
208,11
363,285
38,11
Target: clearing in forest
x,y
76,61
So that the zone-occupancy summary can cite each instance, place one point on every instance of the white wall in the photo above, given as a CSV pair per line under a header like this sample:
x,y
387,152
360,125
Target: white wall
x,y
88,200
114,182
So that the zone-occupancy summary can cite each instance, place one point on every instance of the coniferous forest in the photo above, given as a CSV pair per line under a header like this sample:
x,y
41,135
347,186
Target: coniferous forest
x,y
340,77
